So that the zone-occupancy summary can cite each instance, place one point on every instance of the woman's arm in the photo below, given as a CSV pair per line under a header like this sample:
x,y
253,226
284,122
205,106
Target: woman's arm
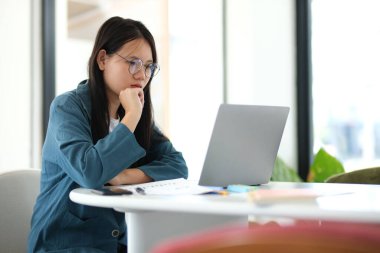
x,y
69,142
130,176
162,162
165,163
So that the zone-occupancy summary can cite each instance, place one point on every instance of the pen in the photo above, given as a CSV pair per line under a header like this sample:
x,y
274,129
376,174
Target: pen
x,y
223,192
140,190
219,192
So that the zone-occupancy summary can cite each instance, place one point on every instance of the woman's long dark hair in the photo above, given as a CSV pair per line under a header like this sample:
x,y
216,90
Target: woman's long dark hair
x,y
112,35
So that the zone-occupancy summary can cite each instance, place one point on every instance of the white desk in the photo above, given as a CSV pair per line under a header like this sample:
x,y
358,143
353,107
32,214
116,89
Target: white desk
x,y
154,218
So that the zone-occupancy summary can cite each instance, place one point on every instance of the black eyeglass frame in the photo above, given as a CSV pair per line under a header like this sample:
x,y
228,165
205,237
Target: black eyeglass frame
x,y
150,70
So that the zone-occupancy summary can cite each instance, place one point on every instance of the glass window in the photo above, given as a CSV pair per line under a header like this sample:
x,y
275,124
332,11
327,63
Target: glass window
x,y
346,78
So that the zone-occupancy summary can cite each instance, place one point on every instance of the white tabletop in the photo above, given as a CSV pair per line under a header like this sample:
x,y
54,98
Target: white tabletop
x,y
359,203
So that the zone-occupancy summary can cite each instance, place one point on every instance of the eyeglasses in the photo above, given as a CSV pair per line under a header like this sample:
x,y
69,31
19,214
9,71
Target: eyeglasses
x,y
135,65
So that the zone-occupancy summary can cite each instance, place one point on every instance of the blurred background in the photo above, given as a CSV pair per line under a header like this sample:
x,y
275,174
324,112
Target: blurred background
x,y
210,52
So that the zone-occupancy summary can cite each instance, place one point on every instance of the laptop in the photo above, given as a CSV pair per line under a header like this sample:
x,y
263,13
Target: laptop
x,y
243,145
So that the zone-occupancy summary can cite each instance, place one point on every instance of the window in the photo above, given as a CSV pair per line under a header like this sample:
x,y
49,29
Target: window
x,y
346,80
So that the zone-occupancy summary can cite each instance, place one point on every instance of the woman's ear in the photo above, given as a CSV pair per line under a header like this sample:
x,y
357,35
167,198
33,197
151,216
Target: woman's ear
x,y
101,59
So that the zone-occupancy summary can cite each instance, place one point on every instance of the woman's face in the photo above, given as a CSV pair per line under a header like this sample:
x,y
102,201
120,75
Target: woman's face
x,y
115,67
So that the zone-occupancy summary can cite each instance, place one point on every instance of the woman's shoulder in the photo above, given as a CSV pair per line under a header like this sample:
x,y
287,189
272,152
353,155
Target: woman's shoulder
x,y
65,99
75,96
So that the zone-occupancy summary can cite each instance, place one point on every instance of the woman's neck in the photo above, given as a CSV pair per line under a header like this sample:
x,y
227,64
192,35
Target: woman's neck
x,y
113,106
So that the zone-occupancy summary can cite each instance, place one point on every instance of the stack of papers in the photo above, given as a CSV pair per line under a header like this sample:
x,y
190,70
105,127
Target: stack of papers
x,y
179,186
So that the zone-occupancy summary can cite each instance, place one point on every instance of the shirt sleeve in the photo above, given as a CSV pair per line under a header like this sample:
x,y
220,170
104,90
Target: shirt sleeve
x,y
164,161
90,165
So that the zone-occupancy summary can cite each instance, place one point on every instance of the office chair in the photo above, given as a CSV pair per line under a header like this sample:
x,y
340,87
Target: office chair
x,y
363,176
18,192
330,237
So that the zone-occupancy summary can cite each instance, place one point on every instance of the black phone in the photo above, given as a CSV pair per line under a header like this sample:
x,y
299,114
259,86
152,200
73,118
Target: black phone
x,y
112,191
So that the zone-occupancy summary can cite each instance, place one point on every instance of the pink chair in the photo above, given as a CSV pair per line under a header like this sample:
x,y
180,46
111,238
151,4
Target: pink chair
x,y
329,237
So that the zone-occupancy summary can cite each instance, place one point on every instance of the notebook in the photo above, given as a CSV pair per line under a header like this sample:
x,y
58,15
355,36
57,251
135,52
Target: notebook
x,y
178,186
243,145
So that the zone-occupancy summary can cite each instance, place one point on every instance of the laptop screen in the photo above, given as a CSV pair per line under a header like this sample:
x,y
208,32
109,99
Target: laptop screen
x,y
243,145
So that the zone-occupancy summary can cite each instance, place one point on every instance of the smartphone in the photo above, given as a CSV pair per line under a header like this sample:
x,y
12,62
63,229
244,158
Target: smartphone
x,y
112,191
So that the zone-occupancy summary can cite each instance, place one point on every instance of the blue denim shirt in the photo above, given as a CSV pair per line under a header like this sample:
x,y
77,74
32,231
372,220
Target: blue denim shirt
x,y
70,160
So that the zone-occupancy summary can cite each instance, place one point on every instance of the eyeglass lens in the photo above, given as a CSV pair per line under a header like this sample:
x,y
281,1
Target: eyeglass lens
x,y
136,64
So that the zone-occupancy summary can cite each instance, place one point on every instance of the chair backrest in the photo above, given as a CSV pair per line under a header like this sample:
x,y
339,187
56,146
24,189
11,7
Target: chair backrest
x,y
304,238
363,176
18,192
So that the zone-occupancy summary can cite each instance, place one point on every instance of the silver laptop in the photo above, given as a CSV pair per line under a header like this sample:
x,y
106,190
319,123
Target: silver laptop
x,y
243,145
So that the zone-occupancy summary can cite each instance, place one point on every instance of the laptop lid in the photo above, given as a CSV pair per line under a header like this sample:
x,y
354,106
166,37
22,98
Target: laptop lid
x,y
243,145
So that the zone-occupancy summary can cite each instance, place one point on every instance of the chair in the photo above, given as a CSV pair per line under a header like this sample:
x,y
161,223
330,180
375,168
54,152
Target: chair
x,y
18,192
363,176
330,237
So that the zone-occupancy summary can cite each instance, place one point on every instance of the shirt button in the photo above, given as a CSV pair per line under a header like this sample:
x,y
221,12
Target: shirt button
x,y
115,233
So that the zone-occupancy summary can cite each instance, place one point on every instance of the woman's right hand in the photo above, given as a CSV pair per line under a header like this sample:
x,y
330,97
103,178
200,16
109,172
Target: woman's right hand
x,y
132,100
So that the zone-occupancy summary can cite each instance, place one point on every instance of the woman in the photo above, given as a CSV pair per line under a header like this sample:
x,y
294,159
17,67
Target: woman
x,y
102,133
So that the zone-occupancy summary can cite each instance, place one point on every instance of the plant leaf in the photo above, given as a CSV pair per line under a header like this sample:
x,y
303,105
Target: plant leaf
x,y
284,173
324,166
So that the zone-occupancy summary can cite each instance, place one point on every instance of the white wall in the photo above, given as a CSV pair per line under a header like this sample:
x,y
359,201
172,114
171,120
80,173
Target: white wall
x,y
260,68
16,112
261,60
196,77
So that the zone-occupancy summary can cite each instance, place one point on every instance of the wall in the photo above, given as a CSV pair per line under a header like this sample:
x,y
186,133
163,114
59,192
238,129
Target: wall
x,y
261,60
17,129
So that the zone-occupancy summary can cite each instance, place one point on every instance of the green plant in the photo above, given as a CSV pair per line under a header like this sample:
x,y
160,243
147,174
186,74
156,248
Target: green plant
x,y
282,172
324,165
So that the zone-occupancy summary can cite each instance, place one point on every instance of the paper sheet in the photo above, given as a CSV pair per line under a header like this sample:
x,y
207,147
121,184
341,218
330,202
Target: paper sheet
x,y
179,186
